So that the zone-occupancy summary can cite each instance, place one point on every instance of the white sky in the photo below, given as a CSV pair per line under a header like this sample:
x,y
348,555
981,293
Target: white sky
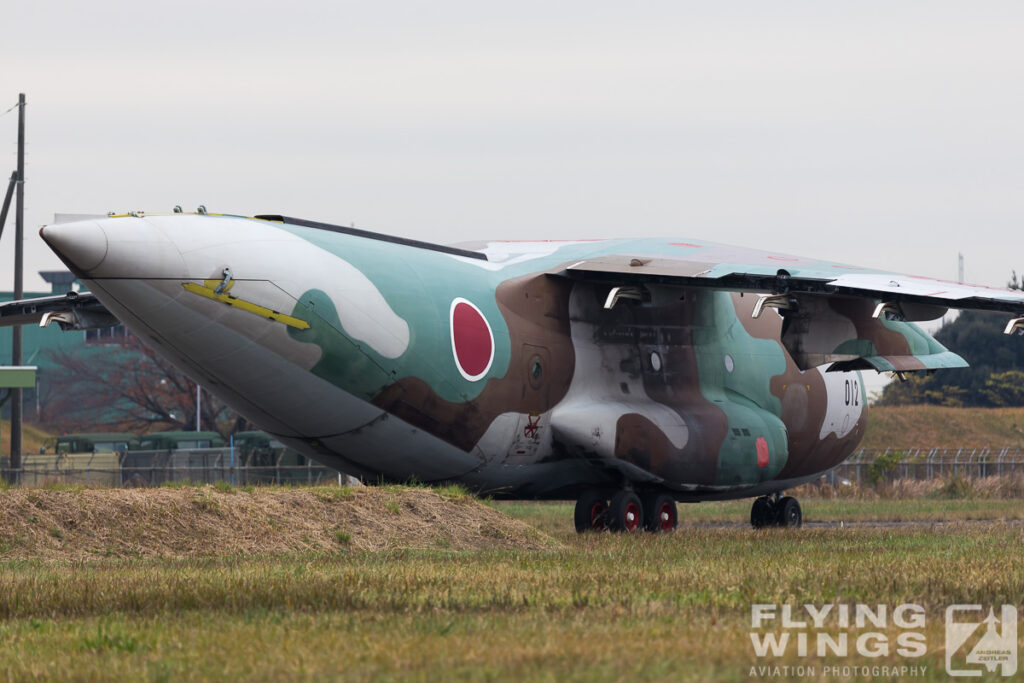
x,y
877,133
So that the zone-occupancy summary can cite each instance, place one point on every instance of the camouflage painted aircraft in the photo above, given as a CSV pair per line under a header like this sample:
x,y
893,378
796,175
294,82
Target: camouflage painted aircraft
x,y
628,374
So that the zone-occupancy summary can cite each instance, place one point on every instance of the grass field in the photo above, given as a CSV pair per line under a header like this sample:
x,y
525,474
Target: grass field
x,y
32,438
556,518
942,427
596,607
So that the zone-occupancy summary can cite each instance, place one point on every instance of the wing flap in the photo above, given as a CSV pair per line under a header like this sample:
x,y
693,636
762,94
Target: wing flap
x,y
846,332
932,361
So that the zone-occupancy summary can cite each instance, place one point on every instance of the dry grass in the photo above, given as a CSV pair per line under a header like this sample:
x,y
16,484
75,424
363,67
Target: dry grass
x,y
78,523
32,438
592,607
1005,486
901,427
605,607
937,501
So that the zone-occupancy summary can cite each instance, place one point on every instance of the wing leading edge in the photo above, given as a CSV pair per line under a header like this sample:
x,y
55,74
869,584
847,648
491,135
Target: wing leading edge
x,y
891,288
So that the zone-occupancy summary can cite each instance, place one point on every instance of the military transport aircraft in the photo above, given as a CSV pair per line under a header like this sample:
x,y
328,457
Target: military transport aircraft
x,y
628,374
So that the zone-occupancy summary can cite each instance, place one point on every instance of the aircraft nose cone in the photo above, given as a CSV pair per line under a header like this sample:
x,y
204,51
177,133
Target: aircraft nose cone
x,y
117,247
83,243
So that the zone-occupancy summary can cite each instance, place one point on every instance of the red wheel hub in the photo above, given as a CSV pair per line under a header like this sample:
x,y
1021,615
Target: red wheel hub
x,y
666,517
631,517
597,515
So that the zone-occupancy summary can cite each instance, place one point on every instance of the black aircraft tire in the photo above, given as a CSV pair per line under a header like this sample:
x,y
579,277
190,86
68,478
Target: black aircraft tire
x,y
626,512
761,513
789,513
660,512
591,512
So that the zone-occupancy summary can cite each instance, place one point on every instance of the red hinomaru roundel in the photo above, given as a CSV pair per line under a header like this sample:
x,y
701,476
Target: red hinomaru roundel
x,y
472,340
762,451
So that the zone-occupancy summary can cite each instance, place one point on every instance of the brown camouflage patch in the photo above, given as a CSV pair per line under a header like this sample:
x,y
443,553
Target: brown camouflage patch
x,y
535,308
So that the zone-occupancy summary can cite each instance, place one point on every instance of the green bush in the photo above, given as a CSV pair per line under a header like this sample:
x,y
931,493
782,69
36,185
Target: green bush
x,y
884,466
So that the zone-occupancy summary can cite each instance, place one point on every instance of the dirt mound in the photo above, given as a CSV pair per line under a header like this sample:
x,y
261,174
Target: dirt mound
x,y
184,522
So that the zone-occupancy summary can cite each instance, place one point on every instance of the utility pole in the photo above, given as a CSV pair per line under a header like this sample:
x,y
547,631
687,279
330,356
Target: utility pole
x,y
19,231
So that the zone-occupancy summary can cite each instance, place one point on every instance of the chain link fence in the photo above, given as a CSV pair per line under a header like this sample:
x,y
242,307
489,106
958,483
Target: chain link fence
x,y
869,465
155,468
212,465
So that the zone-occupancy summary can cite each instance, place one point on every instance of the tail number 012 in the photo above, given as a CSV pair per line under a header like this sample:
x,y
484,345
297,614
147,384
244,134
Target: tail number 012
x,y
852,392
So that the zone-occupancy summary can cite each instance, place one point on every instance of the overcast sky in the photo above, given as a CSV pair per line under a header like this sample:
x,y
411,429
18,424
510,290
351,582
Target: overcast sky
x,y
878,133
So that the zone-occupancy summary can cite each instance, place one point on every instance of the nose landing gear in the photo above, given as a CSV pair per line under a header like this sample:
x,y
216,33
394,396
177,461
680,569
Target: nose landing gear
x,y
776,511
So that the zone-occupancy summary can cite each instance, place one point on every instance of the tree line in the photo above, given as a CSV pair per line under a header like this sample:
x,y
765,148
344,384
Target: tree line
x,y
126,387
995,377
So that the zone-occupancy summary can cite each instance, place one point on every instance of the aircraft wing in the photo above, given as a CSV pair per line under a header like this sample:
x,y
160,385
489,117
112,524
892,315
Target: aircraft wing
x,y
777,274
72,311
832,313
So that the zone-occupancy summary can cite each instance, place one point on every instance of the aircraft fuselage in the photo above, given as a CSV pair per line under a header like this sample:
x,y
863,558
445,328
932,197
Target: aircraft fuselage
x,y
390,361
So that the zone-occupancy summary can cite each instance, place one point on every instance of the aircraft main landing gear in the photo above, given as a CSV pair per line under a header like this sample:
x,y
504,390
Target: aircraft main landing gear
x,y
776,511
591,512
625,511
660,513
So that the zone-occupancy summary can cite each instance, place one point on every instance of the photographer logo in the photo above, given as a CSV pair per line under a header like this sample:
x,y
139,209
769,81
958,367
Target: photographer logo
x,y
977,644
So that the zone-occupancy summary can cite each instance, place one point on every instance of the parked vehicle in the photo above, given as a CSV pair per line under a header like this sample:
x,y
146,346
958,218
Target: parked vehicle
x,y
101,442
172,441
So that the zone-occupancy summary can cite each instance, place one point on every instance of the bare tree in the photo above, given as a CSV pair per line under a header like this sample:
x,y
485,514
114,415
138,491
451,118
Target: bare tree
x,y
128,387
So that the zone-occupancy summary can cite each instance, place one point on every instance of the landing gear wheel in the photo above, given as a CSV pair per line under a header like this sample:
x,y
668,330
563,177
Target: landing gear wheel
x,y
762,513
591,512
626,512
789,513
660,512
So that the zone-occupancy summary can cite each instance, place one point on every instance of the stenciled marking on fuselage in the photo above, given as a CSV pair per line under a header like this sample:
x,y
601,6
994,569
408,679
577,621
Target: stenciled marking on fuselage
x,y
208,290
844,403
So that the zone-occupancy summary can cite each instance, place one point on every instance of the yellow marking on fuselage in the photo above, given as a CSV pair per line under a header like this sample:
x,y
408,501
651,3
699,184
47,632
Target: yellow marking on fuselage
x,y
207,289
